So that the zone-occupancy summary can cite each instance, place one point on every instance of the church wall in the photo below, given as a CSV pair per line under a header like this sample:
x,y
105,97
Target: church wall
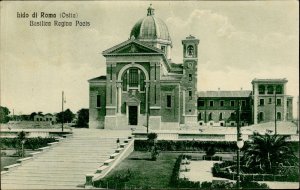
x,y
170,114
97,114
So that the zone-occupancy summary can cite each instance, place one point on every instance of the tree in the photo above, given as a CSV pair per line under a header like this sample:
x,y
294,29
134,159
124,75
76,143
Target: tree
x,y
83,118
152,138
32,116
4,112
266,153
67,116
21,138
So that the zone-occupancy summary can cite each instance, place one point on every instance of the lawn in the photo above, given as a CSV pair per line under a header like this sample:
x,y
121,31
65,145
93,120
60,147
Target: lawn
x,y
143,171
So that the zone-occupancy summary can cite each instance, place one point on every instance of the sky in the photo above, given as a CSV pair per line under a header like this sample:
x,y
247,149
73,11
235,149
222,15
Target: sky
x,y
239,41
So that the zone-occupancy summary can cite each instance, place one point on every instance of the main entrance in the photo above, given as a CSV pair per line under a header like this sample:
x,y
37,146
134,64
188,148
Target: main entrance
x,y
133,115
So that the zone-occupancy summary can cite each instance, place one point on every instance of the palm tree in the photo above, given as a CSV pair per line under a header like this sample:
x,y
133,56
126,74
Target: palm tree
x,y
266,153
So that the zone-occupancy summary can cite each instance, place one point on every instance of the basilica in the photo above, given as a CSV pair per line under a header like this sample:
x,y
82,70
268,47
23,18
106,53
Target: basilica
x,y
144,88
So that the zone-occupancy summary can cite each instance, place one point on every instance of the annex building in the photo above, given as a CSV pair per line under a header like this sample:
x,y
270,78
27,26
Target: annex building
x,y
143,87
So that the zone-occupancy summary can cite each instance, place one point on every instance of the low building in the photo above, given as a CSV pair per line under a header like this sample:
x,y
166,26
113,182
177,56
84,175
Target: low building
x,y
221,108
44,118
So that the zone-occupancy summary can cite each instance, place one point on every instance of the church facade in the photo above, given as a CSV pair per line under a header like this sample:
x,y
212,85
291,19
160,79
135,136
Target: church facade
x,y
143,87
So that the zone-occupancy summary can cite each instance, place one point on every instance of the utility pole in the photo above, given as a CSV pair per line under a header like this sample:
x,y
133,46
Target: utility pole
x,y
62,108
238,150
275,114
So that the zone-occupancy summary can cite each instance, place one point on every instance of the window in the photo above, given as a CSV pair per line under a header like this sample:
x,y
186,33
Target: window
x,y
169,101
200,103
221,116
211,103
278,116
232,116
190,77
133,78
142,81
190,95
261,89
190,50
279,89
222,103
199,116
98,101
270,89
243,103
270,100
163,48
209,116
232,103
260,116
261,102
278,102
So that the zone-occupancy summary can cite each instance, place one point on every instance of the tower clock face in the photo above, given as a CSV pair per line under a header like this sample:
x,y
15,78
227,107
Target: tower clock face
x,y
190,65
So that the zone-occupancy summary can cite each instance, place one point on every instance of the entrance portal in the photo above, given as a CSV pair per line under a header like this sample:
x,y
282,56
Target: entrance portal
x,y
133,115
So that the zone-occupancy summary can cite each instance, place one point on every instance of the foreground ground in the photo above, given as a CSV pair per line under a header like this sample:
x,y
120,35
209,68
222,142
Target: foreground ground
x,y
154,174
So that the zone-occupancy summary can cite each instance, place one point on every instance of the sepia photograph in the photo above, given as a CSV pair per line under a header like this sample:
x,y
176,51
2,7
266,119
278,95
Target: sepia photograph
x,y
149,94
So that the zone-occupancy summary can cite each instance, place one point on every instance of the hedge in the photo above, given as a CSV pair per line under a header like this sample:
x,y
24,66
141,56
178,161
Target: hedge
x,y
169,145
30,143
219,170
176,182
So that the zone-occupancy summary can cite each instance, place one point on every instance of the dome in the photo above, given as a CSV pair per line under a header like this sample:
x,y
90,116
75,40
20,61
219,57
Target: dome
x,y
150,28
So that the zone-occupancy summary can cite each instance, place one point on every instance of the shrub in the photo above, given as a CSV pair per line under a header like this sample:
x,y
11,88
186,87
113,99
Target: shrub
x,y
30,143
169,145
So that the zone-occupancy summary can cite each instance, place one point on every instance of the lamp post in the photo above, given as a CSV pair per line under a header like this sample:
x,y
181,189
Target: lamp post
x,y
240,144
275,114
23,142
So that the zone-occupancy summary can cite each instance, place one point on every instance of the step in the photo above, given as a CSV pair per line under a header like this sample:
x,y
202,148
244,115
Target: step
x,y
11,167
101,168
118,150
114,155
107,162
23,160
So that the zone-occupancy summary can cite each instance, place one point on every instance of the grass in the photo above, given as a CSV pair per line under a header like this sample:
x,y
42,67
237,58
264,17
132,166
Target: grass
x,y
6,161
144,172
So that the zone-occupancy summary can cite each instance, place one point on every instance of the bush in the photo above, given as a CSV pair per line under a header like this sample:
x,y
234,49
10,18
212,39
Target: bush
x,y
30,143
169,145
116,181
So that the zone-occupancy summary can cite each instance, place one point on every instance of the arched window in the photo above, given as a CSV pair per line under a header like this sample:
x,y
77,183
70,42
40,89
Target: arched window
x,y
133,78
190,50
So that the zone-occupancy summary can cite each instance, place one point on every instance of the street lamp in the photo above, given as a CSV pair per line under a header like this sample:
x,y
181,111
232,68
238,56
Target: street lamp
x,y
240,144
23,142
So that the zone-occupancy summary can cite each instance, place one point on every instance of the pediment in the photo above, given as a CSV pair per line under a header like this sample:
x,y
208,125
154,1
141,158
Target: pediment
x,y
132,47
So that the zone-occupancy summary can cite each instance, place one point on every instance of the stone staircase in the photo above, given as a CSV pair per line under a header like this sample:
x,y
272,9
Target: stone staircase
x,y
65,165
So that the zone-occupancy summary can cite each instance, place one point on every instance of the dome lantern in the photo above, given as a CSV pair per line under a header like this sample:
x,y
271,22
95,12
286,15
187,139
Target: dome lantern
x,y
150,10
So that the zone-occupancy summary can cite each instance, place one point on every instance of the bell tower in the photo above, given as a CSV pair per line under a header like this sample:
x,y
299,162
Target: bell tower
x,y
189,80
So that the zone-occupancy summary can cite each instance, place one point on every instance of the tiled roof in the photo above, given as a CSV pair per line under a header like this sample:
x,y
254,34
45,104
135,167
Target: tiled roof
x,y
103,77
224,94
